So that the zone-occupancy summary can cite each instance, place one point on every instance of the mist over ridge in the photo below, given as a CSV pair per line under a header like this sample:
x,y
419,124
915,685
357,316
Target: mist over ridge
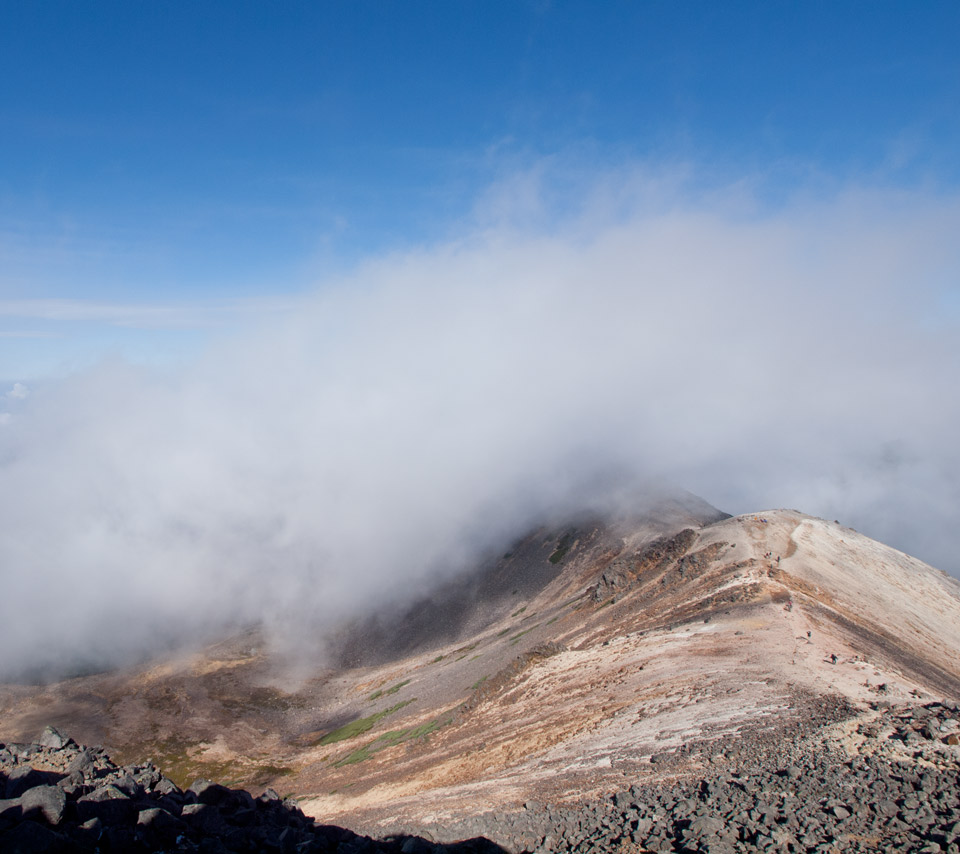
x,y
395,424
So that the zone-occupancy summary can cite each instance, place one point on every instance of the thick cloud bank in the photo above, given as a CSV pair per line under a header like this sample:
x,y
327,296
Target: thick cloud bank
x,y
393,425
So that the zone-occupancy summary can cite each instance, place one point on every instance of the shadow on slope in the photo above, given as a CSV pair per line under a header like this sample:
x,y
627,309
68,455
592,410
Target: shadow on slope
x,y
476,599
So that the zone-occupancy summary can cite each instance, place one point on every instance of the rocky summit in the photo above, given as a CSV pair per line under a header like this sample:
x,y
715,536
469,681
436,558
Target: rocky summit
x,y
675,681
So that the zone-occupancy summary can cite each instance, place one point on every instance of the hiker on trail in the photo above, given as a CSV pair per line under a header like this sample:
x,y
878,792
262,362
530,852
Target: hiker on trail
x,y
833,657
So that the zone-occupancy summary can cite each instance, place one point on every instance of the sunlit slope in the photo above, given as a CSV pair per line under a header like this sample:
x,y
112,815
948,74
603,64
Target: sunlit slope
x,y
582,655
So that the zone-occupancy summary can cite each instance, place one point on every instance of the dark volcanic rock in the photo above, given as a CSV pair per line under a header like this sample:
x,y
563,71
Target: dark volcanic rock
x,y
49,801
95,807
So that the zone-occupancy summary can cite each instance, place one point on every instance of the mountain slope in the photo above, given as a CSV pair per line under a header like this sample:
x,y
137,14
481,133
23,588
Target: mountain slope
x,y
584,656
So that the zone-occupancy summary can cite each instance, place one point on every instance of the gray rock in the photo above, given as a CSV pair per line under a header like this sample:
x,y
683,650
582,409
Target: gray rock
x,y
204,817
127,785
82,762
48,801
22,778
52,738
207,792
109,804
167,787
158,828
706,826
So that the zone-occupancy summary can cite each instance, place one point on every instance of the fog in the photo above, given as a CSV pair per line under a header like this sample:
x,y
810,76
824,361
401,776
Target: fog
x,y
399,421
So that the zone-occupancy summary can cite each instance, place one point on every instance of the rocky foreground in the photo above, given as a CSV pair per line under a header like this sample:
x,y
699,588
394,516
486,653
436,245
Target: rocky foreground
x,y
894,785
890,783
62,797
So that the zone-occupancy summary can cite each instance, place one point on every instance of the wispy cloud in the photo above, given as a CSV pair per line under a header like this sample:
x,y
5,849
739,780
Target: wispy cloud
x,y
395,423
138,315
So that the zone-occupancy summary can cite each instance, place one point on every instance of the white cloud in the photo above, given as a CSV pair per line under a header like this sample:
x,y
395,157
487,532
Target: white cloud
x,y
140,316
395,423
18,392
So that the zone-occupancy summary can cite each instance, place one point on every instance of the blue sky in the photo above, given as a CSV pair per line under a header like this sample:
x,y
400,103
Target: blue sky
x,y
277,275
181,150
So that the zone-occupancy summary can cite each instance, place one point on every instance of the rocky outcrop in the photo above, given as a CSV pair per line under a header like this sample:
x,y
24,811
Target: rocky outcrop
x,y
62,798
626,572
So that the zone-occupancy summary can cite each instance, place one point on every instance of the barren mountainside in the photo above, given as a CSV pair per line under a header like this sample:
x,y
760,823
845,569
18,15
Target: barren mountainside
x,y
584,659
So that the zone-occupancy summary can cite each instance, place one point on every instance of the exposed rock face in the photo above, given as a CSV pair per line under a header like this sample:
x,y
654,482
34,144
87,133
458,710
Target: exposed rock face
x,y
61,797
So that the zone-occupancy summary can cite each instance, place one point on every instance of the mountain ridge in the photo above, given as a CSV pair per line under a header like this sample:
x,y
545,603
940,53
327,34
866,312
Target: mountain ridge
x,y
645,652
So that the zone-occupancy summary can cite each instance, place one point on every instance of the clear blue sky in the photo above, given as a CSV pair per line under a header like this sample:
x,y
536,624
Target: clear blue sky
x,y
156,152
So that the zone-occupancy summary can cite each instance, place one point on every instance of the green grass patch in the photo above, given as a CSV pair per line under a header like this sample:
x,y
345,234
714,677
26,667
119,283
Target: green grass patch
x,y
359,726
562,548
391,739
516,638
437,660
376,695
552,620
479,682
504,632
519,611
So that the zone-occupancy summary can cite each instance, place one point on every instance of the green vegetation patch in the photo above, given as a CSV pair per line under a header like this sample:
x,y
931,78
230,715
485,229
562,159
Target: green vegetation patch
x,y
391,739
359,726
516,638
562,548
172,755
464,650
519,611
376,695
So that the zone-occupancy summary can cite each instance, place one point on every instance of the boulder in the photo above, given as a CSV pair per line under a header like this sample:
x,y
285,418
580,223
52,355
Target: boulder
x,y
207,792
21,778
158,828
109,804
53,739
46,801
204,818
